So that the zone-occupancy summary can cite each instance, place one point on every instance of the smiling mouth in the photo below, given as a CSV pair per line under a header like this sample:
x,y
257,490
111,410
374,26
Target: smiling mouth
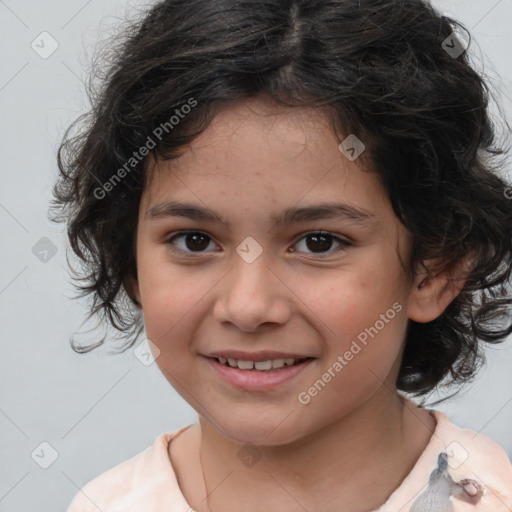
x,y
258,376
271,365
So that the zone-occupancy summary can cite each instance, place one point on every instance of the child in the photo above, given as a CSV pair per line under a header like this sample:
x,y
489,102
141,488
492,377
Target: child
x,y
261,129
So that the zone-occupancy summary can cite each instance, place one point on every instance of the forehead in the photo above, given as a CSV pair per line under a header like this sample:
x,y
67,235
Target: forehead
x,y
262,158
291,126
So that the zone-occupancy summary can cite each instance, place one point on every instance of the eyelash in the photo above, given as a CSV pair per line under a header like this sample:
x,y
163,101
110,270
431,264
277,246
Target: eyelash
x,y
343,243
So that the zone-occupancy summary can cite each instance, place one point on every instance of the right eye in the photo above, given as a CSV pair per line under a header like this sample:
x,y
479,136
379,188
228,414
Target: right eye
x,y
191,242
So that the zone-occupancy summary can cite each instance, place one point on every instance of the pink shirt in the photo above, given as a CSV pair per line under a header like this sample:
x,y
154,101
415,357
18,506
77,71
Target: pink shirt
x,y
459,471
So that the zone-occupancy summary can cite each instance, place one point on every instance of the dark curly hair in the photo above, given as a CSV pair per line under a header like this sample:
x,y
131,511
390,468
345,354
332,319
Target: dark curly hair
x,y
394,73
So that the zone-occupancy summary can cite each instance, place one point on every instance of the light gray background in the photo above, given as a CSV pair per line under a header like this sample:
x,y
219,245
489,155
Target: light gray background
x,y
97,410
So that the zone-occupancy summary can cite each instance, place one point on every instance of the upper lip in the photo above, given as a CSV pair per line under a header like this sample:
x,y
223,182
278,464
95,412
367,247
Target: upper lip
x,y
264,355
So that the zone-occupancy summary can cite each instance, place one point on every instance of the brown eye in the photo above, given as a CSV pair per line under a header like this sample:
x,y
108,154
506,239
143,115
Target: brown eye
x,y
192,241
320,241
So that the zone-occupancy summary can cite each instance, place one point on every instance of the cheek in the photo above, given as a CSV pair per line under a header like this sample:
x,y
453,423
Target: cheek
x,y
171,304
347,301
361,315
167,295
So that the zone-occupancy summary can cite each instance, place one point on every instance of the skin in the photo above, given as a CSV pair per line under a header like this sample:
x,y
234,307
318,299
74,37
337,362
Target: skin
x,y
356,440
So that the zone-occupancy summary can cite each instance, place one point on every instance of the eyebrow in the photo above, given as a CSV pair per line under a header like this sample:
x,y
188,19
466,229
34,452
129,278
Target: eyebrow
x,y
291,215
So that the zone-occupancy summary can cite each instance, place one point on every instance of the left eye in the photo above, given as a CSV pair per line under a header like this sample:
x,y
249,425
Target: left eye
x,y
197,242
323,241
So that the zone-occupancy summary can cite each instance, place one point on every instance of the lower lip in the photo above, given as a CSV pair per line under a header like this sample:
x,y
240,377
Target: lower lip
x,y
255,380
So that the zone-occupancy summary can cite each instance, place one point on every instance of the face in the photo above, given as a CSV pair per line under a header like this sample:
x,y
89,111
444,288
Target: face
x,y
255,280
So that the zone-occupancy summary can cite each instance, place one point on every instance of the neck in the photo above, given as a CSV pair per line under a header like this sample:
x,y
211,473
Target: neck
x,y
359,460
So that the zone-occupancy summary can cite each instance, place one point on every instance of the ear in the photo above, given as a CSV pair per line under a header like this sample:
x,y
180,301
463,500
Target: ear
x,y
432,294
131,285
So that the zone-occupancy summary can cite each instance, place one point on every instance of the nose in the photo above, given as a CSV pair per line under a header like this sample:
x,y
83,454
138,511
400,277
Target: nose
x,y
252,295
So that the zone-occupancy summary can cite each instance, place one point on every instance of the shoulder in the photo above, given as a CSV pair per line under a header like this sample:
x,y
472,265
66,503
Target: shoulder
x,y
146,480
459,470
476,464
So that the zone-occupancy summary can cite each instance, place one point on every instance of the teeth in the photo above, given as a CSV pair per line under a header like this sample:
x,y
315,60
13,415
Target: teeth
x,y
245,365
259,365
